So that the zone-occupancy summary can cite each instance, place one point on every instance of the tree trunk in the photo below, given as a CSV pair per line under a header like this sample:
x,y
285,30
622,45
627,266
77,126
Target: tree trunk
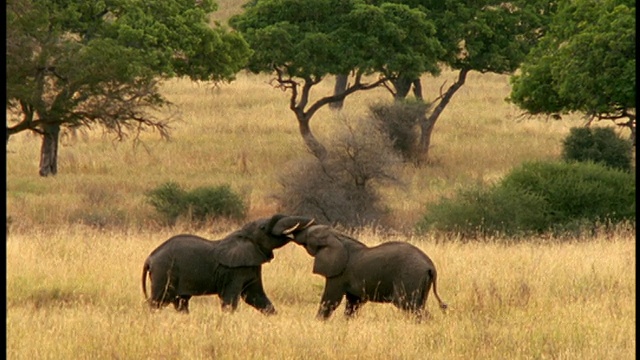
x,y
426,128
402,86
417,89
315,147
339,88
427,123
49,150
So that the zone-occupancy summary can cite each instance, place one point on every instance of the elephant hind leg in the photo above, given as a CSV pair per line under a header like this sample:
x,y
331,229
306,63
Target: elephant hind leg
x,y
412,303
162,291
181,303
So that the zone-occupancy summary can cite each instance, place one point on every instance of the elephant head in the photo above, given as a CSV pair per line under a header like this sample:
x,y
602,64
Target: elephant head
x,y
326,246
254,243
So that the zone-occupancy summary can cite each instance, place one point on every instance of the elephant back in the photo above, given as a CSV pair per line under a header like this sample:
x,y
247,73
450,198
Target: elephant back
x,y
396,256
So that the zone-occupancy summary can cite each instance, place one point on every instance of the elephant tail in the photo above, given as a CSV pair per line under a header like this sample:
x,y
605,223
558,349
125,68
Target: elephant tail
x,y
434,277
145,271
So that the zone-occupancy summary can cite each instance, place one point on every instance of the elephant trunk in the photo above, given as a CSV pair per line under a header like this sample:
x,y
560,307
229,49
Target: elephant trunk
x,y
288,225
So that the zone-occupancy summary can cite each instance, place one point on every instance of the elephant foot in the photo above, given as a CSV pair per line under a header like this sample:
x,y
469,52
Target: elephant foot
x,y
270,310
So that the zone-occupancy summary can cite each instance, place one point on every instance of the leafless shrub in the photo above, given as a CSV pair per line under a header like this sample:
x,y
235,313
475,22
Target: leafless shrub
x,y
343,188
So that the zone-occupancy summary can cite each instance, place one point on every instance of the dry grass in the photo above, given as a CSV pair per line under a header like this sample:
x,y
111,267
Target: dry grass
x,y
74,291
243,134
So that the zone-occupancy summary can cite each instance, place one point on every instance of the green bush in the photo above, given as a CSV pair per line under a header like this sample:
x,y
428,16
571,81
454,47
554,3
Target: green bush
x,y
578,191
539,197
599,145
488,212
209,202
199,205
169,199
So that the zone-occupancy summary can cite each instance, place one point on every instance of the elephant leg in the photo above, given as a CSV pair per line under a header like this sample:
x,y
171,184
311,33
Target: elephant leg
x,y
412,303
229,302
162,290
230,296
353,304
181,303
254,295
331,298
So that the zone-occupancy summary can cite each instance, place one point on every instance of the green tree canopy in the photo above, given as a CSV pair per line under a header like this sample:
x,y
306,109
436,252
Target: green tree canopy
x,y
73,63
477,35
302,42
585,63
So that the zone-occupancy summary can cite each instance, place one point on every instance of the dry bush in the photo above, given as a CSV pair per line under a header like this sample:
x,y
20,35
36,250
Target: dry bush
x,y
343,188
399,121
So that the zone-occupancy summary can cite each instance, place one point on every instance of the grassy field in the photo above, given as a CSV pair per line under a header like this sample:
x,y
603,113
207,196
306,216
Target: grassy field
x,y
75,293
244,134
76,242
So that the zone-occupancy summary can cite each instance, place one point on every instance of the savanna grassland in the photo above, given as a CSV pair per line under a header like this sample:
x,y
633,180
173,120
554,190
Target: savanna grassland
x,y
76,242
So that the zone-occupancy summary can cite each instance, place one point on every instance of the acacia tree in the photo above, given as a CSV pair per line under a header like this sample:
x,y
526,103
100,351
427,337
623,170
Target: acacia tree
x,y
303,42
585,63
75,63
487,36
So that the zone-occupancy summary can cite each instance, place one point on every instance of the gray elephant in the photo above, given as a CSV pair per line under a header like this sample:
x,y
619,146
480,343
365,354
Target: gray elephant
x,y
395,272
188,265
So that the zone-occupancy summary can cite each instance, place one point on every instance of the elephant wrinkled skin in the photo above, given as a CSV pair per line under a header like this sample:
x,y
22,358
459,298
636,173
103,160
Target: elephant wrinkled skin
x,y
395,272
188,265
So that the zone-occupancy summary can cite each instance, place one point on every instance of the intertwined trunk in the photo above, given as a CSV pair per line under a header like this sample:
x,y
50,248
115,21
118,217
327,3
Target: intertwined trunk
x,y
299,102
315,147
428,122
49,150
403,85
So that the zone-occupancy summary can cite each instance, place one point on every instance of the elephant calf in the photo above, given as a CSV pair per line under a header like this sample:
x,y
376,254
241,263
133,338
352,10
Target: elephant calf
x,y
395,272
188,265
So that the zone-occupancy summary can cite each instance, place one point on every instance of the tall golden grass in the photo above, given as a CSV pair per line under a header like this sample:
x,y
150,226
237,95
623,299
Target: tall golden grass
x,y
75,293
73,290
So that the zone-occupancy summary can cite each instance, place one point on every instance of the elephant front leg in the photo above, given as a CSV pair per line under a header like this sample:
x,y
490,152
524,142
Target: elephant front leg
x,y
230,296
331,298
254,295
353,304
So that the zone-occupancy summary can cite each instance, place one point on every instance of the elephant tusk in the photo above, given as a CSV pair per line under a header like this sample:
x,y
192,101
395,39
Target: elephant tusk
x,y
291,229
309,223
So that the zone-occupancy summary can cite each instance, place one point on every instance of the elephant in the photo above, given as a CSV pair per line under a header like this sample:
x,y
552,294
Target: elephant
x,y
188,265
395,272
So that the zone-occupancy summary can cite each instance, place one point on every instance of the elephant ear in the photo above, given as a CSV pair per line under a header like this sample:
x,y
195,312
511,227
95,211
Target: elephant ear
x,y
331,256
240,251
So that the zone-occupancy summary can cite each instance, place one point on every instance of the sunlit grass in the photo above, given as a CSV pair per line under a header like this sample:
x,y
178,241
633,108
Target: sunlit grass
x,y
75,293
